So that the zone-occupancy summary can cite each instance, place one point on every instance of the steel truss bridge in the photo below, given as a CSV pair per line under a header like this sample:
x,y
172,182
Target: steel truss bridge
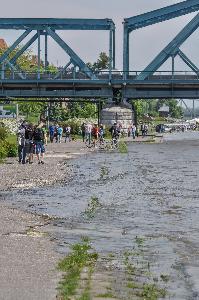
x,y
79,81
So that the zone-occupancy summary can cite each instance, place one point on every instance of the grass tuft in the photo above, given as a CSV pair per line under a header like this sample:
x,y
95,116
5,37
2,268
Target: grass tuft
x,y
72,266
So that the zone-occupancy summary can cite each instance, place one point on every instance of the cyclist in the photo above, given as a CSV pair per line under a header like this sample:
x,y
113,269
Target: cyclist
x,y
101,134
115,132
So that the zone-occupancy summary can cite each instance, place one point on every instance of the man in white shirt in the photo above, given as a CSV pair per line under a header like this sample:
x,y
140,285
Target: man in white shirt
x,y
88,131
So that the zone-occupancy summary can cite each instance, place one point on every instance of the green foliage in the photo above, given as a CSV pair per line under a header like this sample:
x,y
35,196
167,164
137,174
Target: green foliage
x,y
31,108
139,241
93,205
80,257
7,149
101,63
122,147
3,134
152,292
82,110
174,108
11,149
104,172
136,265
106,295
146,107
3,151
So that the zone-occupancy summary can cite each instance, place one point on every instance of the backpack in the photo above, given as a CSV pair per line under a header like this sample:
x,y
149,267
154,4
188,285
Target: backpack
x,y
38,134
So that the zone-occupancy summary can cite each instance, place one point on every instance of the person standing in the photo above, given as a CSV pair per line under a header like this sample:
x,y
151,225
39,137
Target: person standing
x,y
83,131
29,143
68,133
133,131
101,133
146,128
95,133
56,133
59,133
38,138
21,144
143,129
129,130
51,132
88,131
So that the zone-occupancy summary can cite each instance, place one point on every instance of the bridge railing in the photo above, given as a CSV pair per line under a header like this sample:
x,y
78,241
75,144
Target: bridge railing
x,y
163,75
104,75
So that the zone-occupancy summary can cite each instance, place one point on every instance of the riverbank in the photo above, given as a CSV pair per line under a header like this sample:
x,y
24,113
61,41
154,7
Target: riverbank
x,y
18,176
29,257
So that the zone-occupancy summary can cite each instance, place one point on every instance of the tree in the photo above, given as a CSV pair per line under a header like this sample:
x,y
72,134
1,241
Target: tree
x,y
101,63
175,110
82,110
29,108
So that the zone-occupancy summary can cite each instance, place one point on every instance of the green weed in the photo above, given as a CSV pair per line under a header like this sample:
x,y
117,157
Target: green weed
x,y
104,172
122,147
106,295
93,205
72,265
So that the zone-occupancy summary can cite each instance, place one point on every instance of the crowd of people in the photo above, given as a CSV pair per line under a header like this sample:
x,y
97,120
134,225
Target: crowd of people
x,y
33,139
134,131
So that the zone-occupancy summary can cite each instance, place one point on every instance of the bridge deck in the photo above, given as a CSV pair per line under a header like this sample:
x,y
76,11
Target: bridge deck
x,y
156,86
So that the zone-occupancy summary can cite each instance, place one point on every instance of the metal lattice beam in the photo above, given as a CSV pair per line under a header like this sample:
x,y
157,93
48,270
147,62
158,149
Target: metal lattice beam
x,y
62,71
162,14
76,60
15,68
170,49
188,62
41,26
23,49
153,17
14,45
56,24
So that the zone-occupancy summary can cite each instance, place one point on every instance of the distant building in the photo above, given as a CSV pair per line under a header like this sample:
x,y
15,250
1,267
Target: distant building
x,y
164,111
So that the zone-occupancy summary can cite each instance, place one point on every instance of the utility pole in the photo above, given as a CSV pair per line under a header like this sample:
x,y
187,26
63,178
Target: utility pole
x,y
193,114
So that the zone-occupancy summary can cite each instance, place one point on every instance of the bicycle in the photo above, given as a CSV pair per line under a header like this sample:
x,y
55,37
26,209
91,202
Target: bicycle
x,y
99,143
89,143
114,142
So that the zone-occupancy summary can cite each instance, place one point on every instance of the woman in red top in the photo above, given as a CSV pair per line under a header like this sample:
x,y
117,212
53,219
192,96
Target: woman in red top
x,y
95,133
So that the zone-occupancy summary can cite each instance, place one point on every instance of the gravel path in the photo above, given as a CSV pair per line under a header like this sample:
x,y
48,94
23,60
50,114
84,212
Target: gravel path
x,y
15,175
28,258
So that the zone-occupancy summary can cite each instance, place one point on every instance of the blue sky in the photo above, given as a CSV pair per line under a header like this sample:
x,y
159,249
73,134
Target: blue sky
x,y
144,44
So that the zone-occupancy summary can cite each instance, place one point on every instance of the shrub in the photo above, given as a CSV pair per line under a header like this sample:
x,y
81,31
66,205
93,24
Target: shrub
x,y
3,151
3,134
11,149
8,149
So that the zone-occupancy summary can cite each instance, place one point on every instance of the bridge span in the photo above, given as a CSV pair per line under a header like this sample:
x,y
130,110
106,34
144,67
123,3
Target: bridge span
x,y
104,86
77,80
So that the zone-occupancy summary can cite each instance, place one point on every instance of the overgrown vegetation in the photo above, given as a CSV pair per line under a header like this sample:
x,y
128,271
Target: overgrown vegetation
x,y
122,147
8,146
141,282
81,257
93,205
